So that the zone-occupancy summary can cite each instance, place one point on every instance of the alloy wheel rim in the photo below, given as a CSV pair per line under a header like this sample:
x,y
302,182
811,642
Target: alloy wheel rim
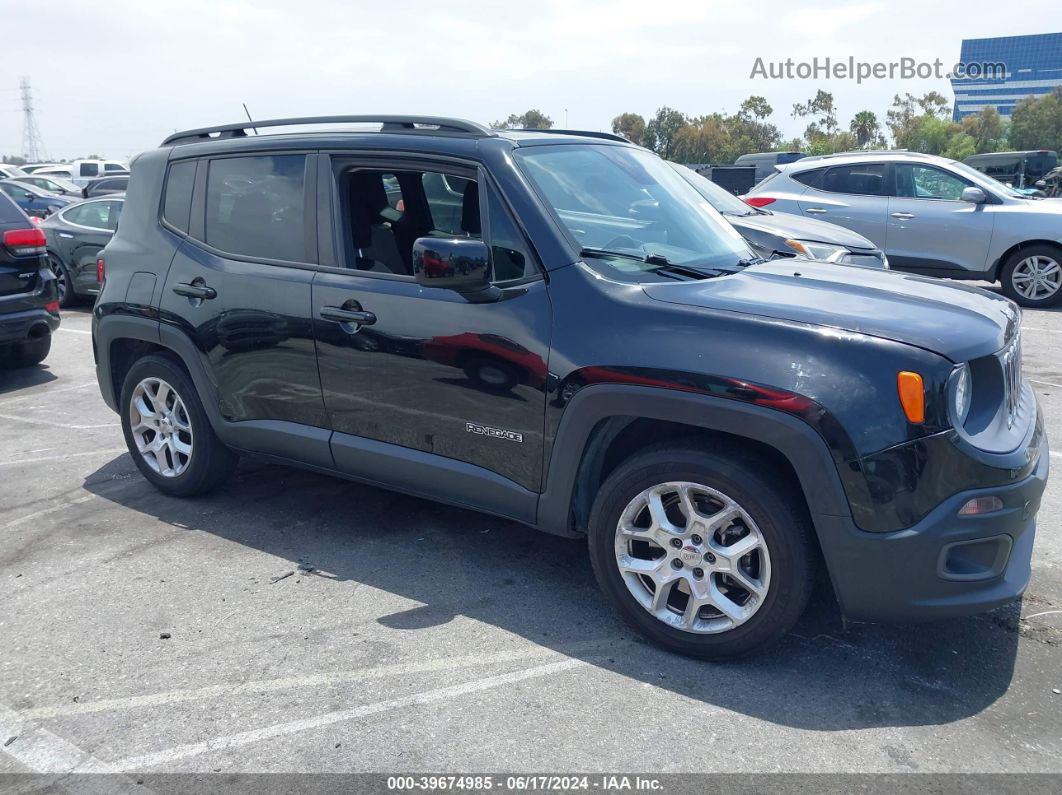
x,y
1037,277
161,427
60,279
693,557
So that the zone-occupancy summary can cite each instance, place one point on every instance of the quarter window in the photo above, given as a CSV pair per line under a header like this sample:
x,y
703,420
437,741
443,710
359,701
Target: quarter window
x,y
89,169
177,205
508,249
254,206
926,182
97,215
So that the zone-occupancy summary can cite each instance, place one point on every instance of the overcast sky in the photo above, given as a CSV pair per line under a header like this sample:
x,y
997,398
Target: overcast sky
x,y
113,77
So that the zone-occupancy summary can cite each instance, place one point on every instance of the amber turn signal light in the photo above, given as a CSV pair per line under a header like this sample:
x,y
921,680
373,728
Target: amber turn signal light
x,y
912,395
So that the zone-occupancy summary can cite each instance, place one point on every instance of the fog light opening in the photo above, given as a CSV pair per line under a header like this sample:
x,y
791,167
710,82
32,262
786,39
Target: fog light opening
x,y
980,505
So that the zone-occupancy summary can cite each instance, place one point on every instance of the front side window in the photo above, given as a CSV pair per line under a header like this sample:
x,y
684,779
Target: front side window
x,y
254,206
113,167
631,208
864,179
926,182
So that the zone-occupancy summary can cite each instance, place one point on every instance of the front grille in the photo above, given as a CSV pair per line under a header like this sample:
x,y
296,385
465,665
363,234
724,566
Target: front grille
x,y
1010,362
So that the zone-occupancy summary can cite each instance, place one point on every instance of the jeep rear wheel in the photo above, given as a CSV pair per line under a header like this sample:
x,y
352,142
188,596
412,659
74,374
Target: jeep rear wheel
x,y
701,551
167,430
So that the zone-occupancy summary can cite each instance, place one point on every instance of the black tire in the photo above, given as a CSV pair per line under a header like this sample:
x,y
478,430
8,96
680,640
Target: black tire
x,y
29,353
68,297
1006,275
210,462
776,510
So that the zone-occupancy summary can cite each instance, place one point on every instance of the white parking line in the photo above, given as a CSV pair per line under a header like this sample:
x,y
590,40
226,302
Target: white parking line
x,y
47,392
62,425
306,724
104,494
1048,330
43,752
1045,383
168,698
74,330
110,451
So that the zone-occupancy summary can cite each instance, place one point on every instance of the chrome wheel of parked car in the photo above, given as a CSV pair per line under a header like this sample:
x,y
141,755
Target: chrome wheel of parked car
x,y
693,557
1037,277
160,427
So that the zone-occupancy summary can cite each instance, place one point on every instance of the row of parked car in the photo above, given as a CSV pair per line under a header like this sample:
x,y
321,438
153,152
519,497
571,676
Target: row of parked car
x,y
42,189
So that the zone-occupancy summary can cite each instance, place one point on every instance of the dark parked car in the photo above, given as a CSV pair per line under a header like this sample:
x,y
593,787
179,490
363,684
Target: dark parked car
x,y
105,186
716,426
29,306
772,235
765,162
31,199
76,234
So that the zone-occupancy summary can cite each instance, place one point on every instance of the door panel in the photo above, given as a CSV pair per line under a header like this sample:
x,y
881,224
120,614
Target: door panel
x,y
852,196
436,373
930,234
254,336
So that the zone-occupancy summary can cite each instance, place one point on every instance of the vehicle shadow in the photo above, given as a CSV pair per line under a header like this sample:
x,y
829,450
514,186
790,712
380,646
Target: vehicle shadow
x,y
23,377
821,677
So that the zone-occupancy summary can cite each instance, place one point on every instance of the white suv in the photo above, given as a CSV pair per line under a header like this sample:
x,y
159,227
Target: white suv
x,y
931,215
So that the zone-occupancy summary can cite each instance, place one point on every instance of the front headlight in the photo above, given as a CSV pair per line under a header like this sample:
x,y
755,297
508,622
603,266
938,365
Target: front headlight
x,y
962,394
820,251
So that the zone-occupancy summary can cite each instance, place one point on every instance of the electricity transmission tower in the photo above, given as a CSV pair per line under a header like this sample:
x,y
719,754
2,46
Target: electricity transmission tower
x,y
32,145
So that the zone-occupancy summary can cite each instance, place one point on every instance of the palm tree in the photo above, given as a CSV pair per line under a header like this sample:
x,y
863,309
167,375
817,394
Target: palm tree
x,y
865,127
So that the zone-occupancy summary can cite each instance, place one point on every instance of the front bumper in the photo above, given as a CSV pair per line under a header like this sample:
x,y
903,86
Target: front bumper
x,y
945,565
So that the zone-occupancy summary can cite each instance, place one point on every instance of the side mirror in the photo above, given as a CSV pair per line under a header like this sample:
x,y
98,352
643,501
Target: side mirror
x,y
457,263
1040,184
30,196
973,195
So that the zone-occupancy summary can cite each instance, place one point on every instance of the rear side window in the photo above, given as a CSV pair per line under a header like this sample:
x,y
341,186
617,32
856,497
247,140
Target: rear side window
x,y
863,179
813,178
177,205
254,206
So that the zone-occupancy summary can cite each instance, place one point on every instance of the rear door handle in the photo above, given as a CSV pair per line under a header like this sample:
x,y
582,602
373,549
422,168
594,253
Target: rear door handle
x,y
65,234
341,315
815,210
195,291
902,216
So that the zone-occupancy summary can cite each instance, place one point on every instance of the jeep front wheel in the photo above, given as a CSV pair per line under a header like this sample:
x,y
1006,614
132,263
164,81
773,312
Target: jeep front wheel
x,y
702,552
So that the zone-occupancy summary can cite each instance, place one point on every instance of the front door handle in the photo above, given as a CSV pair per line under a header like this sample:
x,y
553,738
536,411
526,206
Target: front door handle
x,y
815,211
902,216
200,291
65,234
341,315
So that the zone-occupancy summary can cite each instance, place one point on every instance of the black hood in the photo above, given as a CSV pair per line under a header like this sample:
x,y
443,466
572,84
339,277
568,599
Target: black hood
x,y
956,321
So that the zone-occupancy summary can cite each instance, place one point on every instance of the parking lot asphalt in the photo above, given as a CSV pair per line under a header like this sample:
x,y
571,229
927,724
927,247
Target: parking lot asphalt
x,y
295,622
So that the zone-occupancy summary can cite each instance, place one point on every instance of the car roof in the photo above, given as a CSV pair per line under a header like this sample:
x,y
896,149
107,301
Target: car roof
x,y
867,156
444,132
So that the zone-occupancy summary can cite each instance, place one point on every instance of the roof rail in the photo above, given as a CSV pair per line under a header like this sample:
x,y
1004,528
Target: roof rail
x,y
875,152
426,124
585,133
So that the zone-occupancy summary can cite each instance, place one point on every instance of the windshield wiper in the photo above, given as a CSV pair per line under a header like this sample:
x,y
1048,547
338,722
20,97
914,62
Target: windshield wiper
x,y
652,259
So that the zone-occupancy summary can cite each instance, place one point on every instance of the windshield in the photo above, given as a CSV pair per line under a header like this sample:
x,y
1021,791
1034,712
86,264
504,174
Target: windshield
x,y
629,206
721,199
985,181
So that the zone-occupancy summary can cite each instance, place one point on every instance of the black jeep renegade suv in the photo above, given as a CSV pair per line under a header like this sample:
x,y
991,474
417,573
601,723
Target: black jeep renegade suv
x,y
555,328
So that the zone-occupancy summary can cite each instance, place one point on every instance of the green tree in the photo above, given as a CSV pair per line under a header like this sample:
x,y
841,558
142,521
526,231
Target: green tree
x,y
661,130
1036,123
702,140
748,131
935,104
928,133
985,129
961,146
631,126
822,112
528,120
865,128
